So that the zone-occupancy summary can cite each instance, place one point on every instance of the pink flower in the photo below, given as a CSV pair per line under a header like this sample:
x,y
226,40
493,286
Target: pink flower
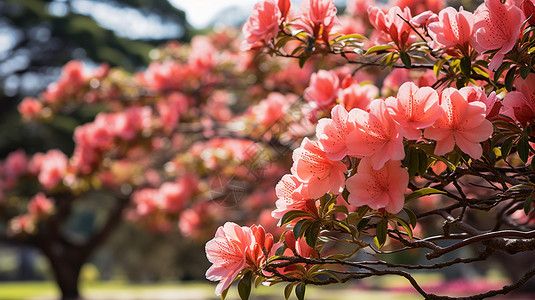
x,y
291,195
273,108
147,201
170,110
332,133
312,167
397,77
358,7
520,104
263,24
462,123
497,26
40,205
358,96
419,6
30,108
202,57
414,109
392,25
175,194
227,252
376,135
452,30
318,18
16,164
529,10
53,167
382,188
163,76
323,88
22,224
128,124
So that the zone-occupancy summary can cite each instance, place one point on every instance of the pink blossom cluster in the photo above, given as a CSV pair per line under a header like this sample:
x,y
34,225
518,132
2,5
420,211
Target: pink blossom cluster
x,y
235,248
326,88
50,168
317,18
40,207
157,206
375,135
100,135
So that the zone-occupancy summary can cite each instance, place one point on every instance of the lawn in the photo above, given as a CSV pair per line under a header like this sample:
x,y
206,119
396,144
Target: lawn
x,y
389,287
189,291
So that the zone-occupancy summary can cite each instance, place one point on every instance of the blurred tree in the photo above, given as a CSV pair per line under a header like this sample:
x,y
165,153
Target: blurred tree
x,y
39,36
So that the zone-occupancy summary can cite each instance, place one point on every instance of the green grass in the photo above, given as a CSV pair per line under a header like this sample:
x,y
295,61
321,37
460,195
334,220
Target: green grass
x,y
200,290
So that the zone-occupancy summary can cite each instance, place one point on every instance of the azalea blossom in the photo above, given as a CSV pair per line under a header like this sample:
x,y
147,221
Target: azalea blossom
x,y
30,108
332,133
16,164
414,109
227,252
520,104
318,18
262,25
462,123
382,188
320,174
291,194
497,26
273,108
323,88
53,168
358,96
232,249
393,26
376,135
452,30
40,205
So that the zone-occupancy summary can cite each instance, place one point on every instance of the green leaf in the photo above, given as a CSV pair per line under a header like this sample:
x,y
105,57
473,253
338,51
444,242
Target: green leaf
x,y
300,291
362,224
288,291
405,58
448,163
378,48
224,293
302,61
293,214
523,148
466,66
244,286
510,78
422,162
300,228
500,70
381,233
438,66
411,215
527,203
311,234
405,226
422,192
413,162
280,250
353,36
345,195
507,145
524,71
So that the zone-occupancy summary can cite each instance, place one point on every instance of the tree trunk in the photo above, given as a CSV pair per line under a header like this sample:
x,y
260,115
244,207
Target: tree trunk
x,y
66,263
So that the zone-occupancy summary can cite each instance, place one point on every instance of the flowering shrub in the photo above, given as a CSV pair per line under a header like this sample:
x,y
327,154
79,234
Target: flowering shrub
x,y
461,136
